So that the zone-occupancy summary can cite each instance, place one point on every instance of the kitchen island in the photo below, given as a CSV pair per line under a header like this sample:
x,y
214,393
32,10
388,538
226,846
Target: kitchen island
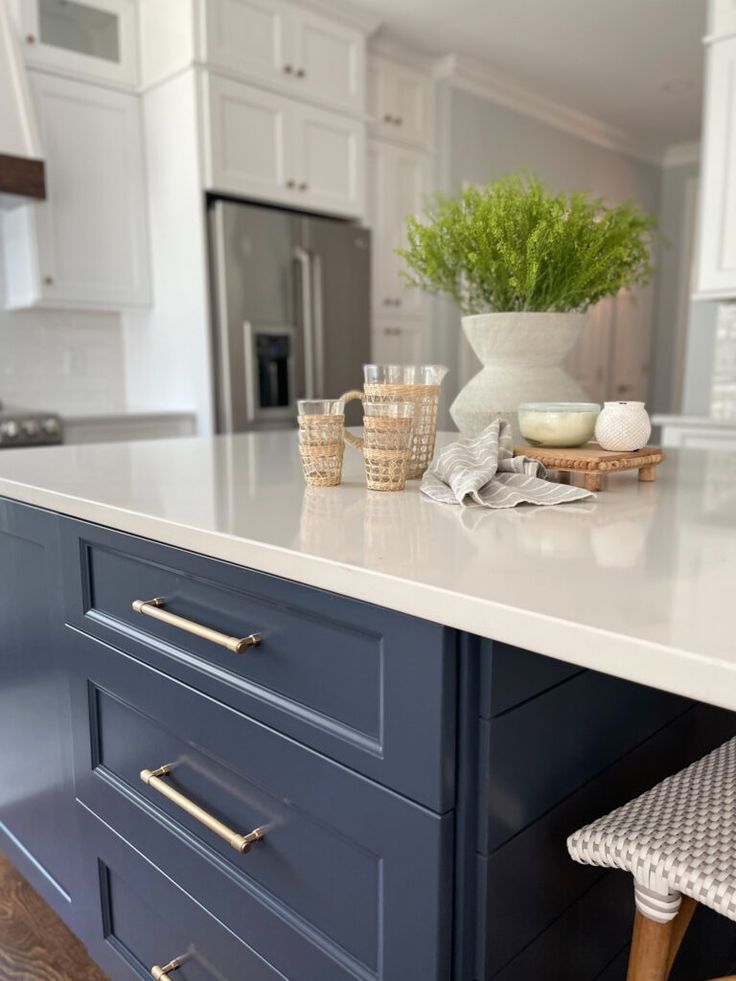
x,y
436,698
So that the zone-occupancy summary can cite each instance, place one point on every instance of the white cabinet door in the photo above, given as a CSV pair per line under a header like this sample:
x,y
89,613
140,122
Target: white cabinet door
x,y
330,155
398,342
87,243
248,142
398,182
94,40
717,243
252,37
400,102
329,61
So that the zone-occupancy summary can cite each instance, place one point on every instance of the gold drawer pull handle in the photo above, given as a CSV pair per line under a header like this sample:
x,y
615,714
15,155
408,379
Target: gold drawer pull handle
x,y
241,843
154,608
160,972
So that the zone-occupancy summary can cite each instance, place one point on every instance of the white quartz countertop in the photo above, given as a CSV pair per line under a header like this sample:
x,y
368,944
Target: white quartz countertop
x,y
640,582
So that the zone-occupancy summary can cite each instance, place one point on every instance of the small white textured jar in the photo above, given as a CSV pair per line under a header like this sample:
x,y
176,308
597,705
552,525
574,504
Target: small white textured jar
x,y
623,426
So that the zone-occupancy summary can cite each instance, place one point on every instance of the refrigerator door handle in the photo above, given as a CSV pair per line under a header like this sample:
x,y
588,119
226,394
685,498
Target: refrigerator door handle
x,y
319,327
304,261
251,381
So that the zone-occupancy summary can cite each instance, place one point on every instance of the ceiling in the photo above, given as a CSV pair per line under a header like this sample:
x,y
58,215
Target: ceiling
x,y
633,64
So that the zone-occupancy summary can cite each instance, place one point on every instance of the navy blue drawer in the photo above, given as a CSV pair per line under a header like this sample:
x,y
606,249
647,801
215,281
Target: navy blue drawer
x,y
350,880
366,686
138,918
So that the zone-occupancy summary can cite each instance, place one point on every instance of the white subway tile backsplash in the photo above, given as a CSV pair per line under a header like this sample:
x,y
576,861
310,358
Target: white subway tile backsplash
x,y
64,361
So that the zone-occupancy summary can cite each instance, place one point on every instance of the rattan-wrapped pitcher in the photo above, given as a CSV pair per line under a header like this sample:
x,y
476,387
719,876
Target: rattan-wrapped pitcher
x,y
418,384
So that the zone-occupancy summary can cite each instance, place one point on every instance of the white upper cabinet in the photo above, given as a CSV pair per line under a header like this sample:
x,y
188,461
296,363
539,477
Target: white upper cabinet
x,y
87,244
716,275
399,102
262,145
330,160
248,143
329,61
93,40
398,180
250,37
305,54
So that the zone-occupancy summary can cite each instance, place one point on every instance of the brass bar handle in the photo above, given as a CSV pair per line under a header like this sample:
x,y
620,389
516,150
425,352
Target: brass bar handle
x,y
154,608
241,843
355,441
160,972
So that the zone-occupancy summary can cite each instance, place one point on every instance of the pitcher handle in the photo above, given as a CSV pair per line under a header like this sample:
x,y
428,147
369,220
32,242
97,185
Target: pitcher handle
x,y
355,441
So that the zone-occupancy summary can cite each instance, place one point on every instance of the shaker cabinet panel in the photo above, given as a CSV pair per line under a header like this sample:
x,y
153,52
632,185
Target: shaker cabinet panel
x,y
262,145
400,102
95,40
717,244
330,152
247,147
86,245
252,37
306,55
138,918
345,880
398,181
329,61
37,821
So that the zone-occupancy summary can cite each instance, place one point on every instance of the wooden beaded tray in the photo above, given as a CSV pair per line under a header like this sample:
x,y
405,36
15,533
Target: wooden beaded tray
x,y
593,463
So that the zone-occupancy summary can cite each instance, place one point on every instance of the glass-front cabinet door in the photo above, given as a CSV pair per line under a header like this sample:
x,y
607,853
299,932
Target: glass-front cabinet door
x,y
90,39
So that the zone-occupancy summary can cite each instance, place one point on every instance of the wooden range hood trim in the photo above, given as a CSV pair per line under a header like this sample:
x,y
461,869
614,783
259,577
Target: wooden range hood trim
x,y
23,176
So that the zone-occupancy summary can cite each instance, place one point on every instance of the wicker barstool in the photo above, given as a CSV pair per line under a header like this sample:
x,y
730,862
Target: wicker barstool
x,y
678,840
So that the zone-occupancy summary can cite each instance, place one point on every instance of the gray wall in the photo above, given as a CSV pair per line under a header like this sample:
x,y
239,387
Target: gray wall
x,y
700,354
485,140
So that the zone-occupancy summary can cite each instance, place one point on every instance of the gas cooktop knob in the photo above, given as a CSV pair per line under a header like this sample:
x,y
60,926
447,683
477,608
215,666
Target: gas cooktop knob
x,y
9,429
51,426
30,428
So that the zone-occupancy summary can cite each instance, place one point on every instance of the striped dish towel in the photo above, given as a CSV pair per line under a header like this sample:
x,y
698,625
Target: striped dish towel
x,y
482,471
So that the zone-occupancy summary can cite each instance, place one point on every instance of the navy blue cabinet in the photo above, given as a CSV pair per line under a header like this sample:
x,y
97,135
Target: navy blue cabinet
x,y
411,787
349,880
37,812
368,687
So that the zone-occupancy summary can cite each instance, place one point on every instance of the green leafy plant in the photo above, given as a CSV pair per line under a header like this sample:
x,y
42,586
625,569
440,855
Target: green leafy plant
x,y
513,245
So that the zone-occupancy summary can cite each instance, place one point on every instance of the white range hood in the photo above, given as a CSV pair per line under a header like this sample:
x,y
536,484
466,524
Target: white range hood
x,y
21,165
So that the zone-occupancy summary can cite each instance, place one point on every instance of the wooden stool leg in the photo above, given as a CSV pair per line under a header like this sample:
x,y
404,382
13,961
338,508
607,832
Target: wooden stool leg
x,y
650,948
563,476
593,481
679,928
648,473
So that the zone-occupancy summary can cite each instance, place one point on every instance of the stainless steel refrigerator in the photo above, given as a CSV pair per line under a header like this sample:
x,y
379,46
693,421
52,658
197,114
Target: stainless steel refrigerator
x,y
291,311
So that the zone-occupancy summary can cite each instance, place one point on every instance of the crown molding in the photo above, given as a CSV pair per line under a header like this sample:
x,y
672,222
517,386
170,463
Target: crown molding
x,y
681,154
477,78
385,45
347,12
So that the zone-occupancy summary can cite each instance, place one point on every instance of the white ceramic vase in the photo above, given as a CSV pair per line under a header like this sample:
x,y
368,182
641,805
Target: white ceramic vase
x,y
623,426
523,357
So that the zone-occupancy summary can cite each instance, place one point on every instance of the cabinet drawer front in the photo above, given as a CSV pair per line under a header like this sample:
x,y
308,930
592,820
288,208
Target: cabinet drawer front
x,y
369,687
139,918
349,879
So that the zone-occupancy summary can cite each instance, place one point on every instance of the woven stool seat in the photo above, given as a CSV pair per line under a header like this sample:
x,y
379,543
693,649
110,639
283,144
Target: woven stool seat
x,y
679,838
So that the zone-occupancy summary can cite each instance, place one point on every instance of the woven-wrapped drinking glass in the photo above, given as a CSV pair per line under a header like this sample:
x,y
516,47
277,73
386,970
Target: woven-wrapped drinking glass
x,y
322,440
387,428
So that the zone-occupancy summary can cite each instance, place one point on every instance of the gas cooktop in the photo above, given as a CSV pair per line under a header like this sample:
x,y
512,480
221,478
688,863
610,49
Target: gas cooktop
x,y
19,427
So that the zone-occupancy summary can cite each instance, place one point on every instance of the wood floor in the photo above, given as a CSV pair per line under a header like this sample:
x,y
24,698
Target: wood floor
x,y
34,943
